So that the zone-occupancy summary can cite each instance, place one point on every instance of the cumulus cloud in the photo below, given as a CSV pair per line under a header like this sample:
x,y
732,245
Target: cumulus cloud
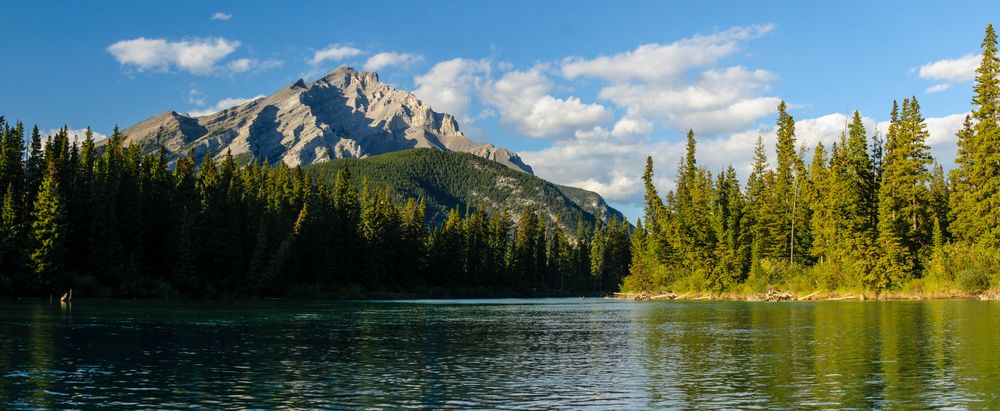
x,y
664,62
220,16
334,52
78,134
523,100
628,126
676,85
613,168
608,168
391,58
240,65
937,88
449,85
720,100
248,64
198,56
951,70
943,140
222,105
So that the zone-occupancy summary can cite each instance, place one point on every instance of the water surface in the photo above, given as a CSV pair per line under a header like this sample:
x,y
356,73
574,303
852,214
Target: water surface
x,y
540,353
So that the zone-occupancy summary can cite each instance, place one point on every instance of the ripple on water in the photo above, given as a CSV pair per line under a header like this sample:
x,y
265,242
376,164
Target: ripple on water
x,y
507,354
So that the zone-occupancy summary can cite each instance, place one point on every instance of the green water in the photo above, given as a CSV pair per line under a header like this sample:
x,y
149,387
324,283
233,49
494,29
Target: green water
x,y
542,354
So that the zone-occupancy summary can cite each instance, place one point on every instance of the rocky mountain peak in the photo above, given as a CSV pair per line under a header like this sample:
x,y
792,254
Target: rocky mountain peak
x,y
347,113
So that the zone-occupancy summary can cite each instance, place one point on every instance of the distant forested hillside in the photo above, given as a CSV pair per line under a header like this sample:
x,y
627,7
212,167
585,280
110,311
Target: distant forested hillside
x,y
448,180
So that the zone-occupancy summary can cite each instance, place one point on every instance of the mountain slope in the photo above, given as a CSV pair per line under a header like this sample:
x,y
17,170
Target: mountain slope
x,y
347,114
447,180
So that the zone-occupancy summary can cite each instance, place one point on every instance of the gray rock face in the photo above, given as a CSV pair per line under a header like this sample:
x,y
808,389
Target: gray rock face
x,y
345,114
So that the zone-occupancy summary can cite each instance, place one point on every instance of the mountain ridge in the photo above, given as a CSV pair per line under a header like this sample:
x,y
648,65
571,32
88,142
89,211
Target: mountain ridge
x,y
345,114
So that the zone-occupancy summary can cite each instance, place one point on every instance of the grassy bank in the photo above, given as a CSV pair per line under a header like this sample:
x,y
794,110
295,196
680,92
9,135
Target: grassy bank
x,y
778,295
952,271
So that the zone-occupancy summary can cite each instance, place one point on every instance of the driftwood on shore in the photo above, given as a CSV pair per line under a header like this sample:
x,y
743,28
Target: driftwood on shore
x,y
775,295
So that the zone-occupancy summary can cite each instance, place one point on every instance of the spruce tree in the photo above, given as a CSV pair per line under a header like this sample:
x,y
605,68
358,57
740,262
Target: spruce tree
x,y
904,224
977,219
784,194
48,231
10,238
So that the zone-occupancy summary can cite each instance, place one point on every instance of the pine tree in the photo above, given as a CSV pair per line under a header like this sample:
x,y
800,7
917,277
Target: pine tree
x,y
939,197
48,231
10,238
755,202
904,200
35,167
977,189
784,194
821,221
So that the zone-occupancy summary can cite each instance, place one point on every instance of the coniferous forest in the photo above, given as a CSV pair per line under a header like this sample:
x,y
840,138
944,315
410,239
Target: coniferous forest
x,y
868,214
109,221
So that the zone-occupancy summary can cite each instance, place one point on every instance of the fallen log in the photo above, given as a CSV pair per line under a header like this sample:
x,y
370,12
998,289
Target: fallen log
x,y
669,296
807,297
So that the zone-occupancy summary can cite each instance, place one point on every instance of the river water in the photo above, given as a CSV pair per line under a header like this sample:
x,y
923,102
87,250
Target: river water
x,y
499,354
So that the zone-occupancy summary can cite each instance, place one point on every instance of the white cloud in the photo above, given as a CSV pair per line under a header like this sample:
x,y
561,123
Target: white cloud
x,y
198,56
220,16
196,97
943,141
937,88
613,168
222,105
721,100
240,65
77,135
663,62
627,127
523,100
248,64
655,82
391,58
449,85
951,70
596,133
609,168
334,52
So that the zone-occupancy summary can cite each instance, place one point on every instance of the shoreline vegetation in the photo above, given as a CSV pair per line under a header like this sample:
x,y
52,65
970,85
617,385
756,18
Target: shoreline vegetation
x,y
814,296
874,216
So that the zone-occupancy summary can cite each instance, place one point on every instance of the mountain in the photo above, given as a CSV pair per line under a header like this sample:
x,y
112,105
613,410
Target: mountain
x,y
347,114
446,180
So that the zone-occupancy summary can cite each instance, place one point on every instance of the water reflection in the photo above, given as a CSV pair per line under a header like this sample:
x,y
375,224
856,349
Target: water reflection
x,y
500,354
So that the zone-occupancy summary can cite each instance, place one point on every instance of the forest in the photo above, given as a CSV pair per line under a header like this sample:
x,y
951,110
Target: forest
x,y
105,220
868,214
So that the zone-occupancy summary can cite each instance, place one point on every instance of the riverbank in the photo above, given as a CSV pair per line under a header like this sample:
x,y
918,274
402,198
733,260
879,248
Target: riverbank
x,y
780,295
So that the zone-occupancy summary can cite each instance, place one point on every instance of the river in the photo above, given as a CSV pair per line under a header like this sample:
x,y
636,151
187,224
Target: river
x,y
499,354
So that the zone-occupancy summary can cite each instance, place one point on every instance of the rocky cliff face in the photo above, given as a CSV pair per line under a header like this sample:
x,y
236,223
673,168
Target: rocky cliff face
x,y
347,114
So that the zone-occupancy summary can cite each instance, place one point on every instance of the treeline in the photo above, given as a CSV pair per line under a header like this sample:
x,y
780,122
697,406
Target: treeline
x,y
110,221
868,213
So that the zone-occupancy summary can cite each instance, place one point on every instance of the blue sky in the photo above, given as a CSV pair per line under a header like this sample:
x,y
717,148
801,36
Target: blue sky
x,y
583,90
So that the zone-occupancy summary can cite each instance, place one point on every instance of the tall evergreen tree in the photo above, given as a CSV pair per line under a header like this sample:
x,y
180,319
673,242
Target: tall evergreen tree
x,y
48,231
904,223
976,219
